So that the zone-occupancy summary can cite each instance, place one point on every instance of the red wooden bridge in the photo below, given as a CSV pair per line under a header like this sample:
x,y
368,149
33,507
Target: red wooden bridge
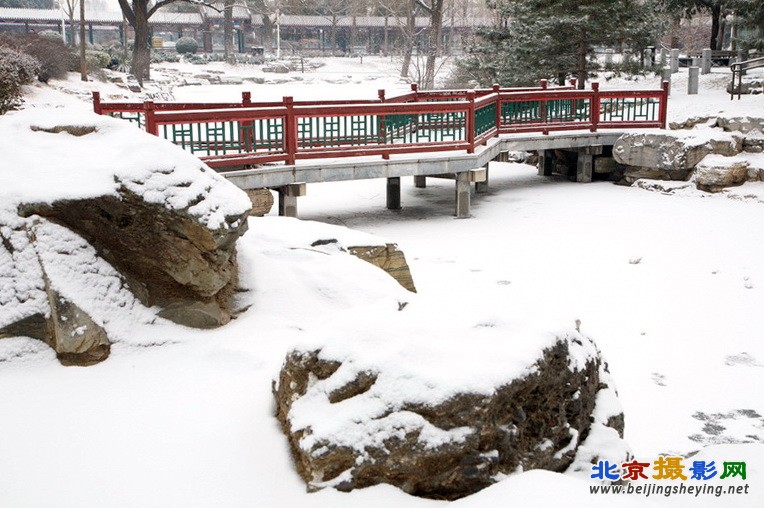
x,y
237,137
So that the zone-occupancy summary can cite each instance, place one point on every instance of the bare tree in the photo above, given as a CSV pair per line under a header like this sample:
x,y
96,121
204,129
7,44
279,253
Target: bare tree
x,y
435,9
138,13
228,32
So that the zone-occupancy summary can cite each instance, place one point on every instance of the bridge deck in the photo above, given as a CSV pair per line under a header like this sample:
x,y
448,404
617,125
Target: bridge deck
x,y
436,163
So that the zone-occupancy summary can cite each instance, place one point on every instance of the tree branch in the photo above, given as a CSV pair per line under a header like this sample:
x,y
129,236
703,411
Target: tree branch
x,y
164,3
127,12
424,6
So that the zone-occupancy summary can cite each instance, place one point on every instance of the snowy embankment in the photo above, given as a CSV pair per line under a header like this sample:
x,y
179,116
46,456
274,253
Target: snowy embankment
x,y
668,286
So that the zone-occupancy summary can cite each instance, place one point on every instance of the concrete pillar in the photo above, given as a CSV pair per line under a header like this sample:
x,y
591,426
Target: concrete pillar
x,y
695,62
706,62
482,187
692,83
420,182
666,76
288,195
664,57
546,162
394,193
584,167
463,195
674,60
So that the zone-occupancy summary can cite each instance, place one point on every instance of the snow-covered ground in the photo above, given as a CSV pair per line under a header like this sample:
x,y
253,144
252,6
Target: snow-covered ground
x,y
670,287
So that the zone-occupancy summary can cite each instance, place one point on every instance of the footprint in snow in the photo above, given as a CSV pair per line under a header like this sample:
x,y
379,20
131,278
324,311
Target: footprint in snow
x,y
635,261
737,426
659,379
741,359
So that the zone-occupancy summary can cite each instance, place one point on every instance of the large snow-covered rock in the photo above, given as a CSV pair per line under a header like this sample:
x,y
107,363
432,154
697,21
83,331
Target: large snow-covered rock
x,y
715,172
677,152
152,218
451,422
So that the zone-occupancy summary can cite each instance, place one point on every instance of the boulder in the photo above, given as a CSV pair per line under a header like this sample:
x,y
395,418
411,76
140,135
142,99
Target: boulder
x,y
715,172
627,175
168,256
744,124
388,258
122,227
753,144
351,426
692,122
262,201
753,86
674,152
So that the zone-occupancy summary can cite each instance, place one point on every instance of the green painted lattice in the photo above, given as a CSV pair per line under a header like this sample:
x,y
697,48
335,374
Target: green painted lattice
x,y
623,110
130,117
485,119
220,138
425,127
337,131
555,111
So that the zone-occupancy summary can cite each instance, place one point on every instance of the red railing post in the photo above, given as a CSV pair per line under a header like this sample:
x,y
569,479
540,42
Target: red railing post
x,y
470,122
290,131
543,84
246,129
664,104
415,89
382,135
97,102
151,124
573,82
595,109
542,106
497,91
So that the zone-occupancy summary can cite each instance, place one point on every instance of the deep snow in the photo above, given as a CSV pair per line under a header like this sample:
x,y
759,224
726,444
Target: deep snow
x,y
185,418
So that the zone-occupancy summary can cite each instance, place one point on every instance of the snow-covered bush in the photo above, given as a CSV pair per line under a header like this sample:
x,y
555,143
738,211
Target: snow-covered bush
x,y
186,45
54,57
16,69
98,59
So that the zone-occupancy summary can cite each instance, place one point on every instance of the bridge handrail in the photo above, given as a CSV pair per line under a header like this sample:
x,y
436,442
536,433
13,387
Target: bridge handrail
x,y
235,134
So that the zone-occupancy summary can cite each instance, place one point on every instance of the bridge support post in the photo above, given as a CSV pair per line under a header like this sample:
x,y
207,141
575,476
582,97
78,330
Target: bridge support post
x,y
288,195
463,195
585,163
420,181
546,162
394,193
482,187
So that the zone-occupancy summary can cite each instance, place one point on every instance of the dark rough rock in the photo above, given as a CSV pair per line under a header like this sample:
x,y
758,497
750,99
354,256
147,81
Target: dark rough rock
x,y
388,258
167,256
262,201
535,422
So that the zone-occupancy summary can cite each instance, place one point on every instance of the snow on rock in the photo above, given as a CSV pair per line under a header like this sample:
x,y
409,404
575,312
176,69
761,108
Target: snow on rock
x,y
715,172
327,238
442,411
131,211
675,153
65,154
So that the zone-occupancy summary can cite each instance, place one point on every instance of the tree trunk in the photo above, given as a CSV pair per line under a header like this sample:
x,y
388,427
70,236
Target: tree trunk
x,y
676,28
436,26
333,36
228,32
267,34
581,64
409,39
716,12
83,59
140,67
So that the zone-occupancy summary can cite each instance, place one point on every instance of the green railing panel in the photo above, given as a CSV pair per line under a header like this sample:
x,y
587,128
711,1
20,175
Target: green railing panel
x,y
635,109
130,117
221,138
522,112
335,131
485,119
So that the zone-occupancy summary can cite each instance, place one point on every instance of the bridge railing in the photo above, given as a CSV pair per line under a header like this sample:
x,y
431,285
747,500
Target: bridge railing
x,y
248,133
